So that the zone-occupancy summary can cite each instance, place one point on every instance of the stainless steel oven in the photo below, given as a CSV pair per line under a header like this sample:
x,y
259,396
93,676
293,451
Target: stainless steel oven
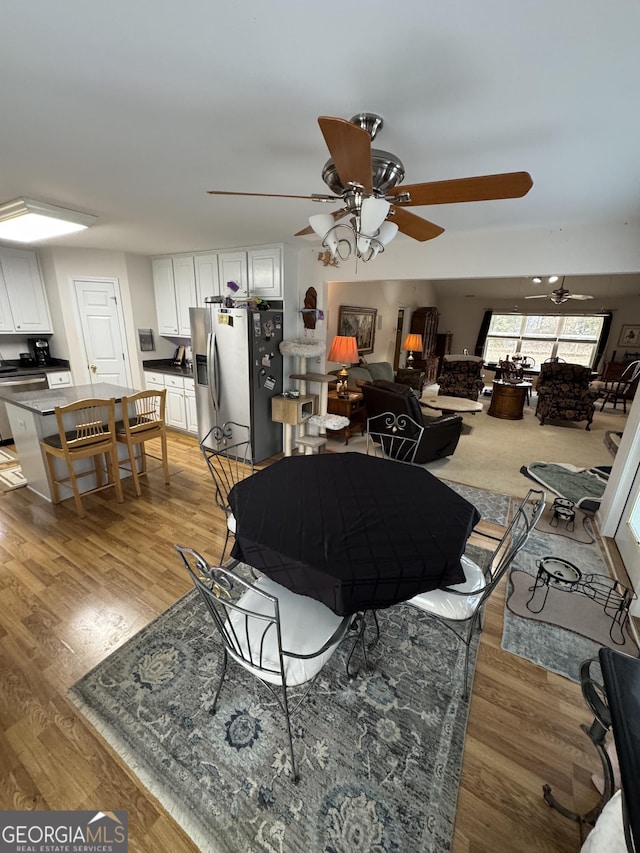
x,y
14,384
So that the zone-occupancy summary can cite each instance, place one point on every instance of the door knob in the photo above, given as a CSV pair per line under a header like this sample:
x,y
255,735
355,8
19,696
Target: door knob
x,y
93,368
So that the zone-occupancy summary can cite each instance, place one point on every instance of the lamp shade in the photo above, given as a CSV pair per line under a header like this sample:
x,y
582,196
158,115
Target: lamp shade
x,y
374,211
323,225
344,350
412,343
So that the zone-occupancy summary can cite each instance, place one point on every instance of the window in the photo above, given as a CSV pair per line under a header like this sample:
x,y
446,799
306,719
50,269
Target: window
x,y
573,338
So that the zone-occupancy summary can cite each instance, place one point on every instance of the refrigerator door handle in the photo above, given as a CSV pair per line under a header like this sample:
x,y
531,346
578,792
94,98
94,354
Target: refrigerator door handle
x,y
214,377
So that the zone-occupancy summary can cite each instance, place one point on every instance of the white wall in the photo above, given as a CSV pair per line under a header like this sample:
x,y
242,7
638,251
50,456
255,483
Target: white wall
x,y
61,266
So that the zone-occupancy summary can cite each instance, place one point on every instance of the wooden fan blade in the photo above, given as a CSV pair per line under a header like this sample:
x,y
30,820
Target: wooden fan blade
x,y
350,147
415,226
337,214
579,296
539,296
482,188
313,196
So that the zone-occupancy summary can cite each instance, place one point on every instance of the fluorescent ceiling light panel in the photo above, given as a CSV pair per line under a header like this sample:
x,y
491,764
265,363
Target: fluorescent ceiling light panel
x,y
27,221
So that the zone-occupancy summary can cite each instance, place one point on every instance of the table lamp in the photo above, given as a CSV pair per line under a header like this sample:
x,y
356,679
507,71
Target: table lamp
x,y
412,343
344,349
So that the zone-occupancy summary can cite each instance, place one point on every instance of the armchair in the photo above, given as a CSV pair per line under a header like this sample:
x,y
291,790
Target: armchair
x,y
461,376
564,393
441,434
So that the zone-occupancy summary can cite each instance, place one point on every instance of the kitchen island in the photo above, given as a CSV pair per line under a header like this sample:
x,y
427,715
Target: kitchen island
x,y
32,418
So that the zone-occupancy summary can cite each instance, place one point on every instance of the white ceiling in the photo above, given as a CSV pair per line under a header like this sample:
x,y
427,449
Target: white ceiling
x,y
132,109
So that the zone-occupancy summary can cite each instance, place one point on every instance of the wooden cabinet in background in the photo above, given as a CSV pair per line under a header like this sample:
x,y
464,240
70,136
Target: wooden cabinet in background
x,y
424,321
443,347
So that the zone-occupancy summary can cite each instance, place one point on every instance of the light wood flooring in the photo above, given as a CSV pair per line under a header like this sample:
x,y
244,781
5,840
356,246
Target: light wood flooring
x,y
72,590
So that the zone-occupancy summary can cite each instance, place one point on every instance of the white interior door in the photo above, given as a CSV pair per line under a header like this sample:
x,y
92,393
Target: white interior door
x,y
102,325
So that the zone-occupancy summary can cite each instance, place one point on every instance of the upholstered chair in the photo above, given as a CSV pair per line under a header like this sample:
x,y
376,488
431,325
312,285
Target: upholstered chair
x,y
461,376
564,393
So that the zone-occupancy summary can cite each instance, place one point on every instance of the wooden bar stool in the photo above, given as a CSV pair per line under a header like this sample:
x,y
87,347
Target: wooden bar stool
x,y
86,430
142,420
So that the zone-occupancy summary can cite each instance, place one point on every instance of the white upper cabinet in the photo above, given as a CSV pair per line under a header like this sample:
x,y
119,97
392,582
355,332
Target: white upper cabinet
x,y
165,293
23,301
233,267
265,272
174,284
207,277
185,282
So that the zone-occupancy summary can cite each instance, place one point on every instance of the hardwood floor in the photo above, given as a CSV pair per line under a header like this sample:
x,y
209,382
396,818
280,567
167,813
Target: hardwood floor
x,y
72,590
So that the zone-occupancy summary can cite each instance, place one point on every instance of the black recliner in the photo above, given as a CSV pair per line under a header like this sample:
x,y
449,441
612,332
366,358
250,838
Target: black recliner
x,y
441,434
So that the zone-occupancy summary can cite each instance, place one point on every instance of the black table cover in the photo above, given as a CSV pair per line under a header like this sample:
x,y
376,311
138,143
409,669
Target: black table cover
x,y
353,531
621,676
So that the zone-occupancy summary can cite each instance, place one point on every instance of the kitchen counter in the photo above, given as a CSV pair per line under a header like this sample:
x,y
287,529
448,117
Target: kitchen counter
x,y
165,365
44,402
32,418
17,371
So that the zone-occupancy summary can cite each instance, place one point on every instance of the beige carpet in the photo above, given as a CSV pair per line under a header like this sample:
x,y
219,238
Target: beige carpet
x,y
491,451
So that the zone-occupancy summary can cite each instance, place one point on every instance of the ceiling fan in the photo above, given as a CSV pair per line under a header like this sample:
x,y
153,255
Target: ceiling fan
x,y
366,179
559,295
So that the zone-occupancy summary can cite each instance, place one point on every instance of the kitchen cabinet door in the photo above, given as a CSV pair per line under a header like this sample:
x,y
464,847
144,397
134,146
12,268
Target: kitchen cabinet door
x,y
165,294
184,278
191,413
265,272
176,414
233,267
207,277
25,291
6,317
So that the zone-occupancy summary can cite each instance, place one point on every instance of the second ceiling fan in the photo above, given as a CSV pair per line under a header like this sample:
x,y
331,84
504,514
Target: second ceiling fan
x,y
357,173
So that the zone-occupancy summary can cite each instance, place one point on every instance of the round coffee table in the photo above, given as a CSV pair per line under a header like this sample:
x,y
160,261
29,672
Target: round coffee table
x,y
450,405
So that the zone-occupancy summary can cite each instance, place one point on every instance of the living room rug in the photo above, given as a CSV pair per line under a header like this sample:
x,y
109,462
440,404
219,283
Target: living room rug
x,y
379,756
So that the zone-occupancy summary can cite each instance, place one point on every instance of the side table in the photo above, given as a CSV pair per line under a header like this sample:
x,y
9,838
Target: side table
x,y
507,400
351,407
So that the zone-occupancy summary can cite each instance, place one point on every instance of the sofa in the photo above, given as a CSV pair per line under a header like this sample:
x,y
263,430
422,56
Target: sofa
x,y
441,434
368,373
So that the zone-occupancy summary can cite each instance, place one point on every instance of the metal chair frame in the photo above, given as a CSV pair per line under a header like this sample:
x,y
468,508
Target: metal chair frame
x,y
143,418
227,452
92,436
246,633
394,437
525,518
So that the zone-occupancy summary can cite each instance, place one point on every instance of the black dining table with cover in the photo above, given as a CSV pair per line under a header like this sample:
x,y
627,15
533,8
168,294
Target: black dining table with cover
x,y
355,532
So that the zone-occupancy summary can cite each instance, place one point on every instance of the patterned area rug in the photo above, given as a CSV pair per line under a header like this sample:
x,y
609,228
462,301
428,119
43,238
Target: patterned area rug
x,y
379,756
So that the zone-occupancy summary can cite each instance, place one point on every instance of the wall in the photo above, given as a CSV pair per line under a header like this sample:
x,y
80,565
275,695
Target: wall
x,y
387,297
60,266
463,314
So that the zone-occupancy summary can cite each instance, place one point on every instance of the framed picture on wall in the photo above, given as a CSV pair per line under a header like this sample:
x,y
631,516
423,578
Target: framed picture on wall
x,y
358,323
629,336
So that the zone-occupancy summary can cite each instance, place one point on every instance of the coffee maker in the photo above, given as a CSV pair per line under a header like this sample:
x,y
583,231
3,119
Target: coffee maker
x,y
40,349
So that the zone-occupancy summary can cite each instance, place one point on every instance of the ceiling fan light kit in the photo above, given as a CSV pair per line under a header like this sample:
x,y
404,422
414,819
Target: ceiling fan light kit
x,y
366,180
558,296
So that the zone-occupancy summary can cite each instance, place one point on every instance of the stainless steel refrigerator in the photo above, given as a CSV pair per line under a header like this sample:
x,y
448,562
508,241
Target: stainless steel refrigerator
x,y
237,370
